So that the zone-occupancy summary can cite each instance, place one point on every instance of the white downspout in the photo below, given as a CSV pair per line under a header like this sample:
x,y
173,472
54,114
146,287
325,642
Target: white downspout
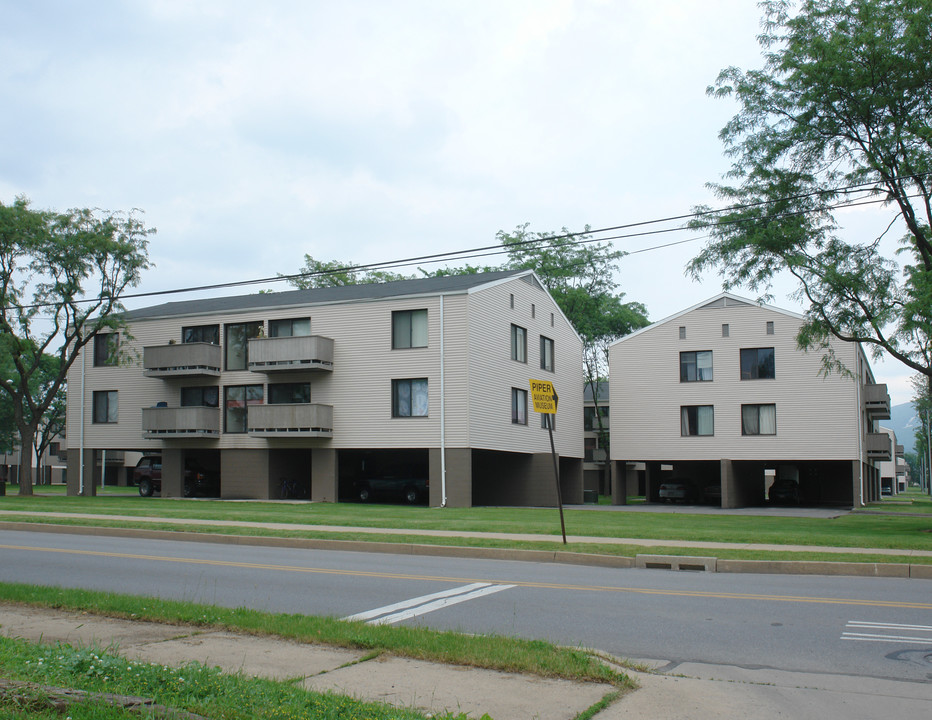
x,y
861,430
443,442
81,433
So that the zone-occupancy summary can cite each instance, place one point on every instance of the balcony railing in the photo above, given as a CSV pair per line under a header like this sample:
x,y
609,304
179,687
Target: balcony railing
x,y
182,360
166,422
879,446
877,402
310,352
298,420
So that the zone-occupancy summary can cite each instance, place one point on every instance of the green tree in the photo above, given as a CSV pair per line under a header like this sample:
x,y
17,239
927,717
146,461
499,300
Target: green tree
x,y
841,111
335,273
46,259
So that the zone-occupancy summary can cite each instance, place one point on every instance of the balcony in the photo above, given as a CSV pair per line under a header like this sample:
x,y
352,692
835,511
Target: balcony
x,y
182,360
877,402
879,446
280,354
182,422
899,450
298,420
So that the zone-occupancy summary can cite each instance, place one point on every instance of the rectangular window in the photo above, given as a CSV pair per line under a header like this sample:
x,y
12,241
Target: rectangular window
x,y
206,396
697,420
533,310
511,301
237,343
518,343
696,366
758,419
106,406
410,398
409,329
682,332
546,353
295,327
289,393
546,419
201,333
105,349
757,364
551,319
236,402
590,423
518,406
725,330
770,327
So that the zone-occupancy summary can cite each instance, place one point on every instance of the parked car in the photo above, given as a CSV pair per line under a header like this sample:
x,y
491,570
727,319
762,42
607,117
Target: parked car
x,y
784,491
401,482
678,490
147,475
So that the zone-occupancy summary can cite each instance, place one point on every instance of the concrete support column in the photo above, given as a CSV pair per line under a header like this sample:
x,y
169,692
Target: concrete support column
x,y
571,479
459,477
857,483
74,472
730,495
325,486
172,473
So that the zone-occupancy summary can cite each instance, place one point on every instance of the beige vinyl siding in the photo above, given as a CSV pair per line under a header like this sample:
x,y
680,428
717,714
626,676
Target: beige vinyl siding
x,y
493,373
817,417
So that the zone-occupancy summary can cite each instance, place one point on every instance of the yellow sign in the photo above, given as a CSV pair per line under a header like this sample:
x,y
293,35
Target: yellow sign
x,y
544,397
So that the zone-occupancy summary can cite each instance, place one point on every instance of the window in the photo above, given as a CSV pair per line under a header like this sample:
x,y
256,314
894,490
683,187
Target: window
x,y
106,406
757,364
290,328
696,366
725,329
511,301
518,406
551,319
758,419
682,332
237,343
236,402
590,422
546,353
409,398
518,343
289,393
533,310
697,420
105,349
409,329
201,333
207,396
770,327
546,419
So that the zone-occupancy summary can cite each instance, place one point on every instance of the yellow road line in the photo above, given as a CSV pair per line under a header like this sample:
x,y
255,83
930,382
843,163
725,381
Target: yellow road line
x,y
460,580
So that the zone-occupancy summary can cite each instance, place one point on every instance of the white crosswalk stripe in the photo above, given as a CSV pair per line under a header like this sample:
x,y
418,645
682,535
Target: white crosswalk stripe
x,y
405,609
887,632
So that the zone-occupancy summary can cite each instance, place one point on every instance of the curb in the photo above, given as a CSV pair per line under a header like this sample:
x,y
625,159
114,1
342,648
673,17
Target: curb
x,y
664,562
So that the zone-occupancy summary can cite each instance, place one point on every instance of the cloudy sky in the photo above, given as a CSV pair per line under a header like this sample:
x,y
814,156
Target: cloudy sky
x,y
252,134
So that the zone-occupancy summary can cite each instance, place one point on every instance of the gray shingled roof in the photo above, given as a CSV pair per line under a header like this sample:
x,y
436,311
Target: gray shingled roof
x,y
346,293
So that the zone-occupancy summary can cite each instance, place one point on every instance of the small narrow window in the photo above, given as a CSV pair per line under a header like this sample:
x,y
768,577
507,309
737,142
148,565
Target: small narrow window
x,y
551,319
682,332
511,301
518,343
546,353
518,406
770,327
724,329
533,310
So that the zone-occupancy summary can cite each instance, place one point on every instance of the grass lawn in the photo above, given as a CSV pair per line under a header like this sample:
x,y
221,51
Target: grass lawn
x,y
899,530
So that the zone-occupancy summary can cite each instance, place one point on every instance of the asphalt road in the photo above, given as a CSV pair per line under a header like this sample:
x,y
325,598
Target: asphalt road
x,y
863,627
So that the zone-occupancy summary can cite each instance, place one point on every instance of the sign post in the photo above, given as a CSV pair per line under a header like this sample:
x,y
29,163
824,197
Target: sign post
x,y
545,399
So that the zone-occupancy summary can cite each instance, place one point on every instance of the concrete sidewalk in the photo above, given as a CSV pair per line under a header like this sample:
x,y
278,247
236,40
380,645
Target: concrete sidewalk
x,y
689,692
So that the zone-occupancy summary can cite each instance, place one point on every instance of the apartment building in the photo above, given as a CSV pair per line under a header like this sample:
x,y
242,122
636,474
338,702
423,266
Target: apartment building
x,y
318,390
719,396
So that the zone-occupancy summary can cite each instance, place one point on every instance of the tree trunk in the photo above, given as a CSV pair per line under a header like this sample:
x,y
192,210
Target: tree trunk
x,y
26,438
